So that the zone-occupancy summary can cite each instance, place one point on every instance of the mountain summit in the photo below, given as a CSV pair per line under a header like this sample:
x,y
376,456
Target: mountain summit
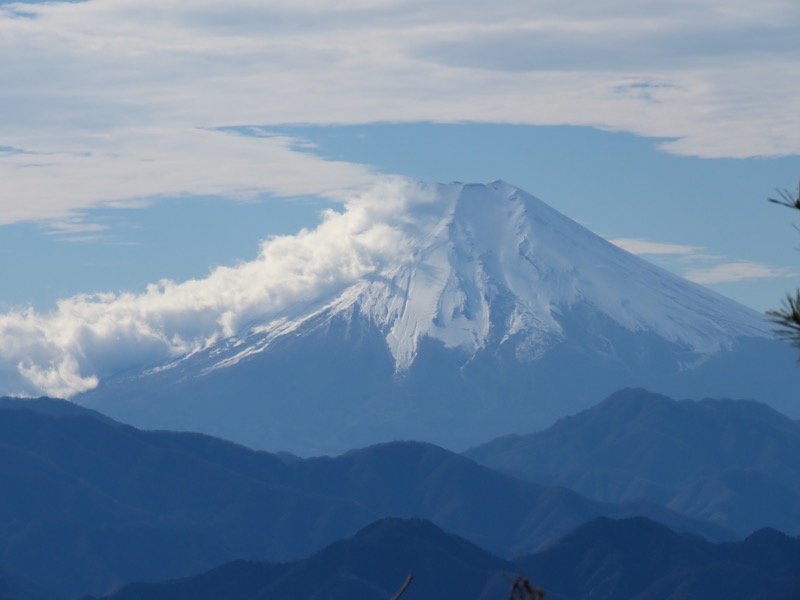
x,y
488,312
500,267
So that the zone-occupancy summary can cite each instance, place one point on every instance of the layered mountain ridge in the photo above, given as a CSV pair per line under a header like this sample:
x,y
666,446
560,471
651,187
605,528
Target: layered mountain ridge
x,y
89,504
731,462
604,559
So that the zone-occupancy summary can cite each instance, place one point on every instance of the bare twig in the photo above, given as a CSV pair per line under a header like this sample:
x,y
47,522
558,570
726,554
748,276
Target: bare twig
x,y
403,587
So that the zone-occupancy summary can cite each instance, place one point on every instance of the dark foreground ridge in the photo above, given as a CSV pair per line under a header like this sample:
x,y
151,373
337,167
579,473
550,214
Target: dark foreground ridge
x,y
604,559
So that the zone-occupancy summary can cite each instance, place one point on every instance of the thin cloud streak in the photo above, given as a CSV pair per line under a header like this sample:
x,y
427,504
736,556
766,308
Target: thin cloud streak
x,y
736,271
721,272
640,246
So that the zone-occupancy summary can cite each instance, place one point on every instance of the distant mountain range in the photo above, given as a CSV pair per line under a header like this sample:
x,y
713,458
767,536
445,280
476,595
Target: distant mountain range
x,y
372,564
499,316
731,462
89,504
603,560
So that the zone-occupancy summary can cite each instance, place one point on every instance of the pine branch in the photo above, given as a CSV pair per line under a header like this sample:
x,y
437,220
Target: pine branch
x,y
787,199
788,319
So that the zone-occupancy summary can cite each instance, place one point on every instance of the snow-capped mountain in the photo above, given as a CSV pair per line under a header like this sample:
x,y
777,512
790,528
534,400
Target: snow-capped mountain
x,y
499,266
497,314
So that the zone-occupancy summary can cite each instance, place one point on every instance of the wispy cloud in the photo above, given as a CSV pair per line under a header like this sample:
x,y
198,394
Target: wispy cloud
x,y
715,269
736,271
73,229
53,180
112,97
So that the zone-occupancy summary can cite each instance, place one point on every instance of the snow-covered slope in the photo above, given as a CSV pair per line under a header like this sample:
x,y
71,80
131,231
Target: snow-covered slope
x,y
495,314
501,263
491,264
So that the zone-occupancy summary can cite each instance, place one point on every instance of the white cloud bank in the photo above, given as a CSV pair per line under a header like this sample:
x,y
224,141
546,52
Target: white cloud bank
x,y
110,99
87,337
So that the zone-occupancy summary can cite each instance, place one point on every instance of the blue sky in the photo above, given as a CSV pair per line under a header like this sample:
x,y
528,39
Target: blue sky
x,y
144,140
707,218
